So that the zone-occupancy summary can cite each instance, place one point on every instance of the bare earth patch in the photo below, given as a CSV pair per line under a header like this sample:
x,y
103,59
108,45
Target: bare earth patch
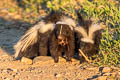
x,y
43,70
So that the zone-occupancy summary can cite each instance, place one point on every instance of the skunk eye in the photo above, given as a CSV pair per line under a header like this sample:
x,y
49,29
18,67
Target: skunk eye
x,y
65,33
57,32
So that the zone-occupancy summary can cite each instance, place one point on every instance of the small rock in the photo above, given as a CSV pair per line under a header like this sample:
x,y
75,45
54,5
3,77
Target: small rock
x,y
92,69
62,60
107,74
10,69
58,75
22,70
55,65
26,60
14,70
40,72
4,70
102,78
6,78
75,60
43,59
106,69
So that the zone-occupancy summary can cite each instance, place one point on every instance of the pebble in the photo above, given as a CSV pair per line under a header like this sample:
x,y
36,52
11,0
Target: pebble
x,y
6,78
43,59
26,60
55,65
57,75
107,74
92,69
4,70
10,69
106,69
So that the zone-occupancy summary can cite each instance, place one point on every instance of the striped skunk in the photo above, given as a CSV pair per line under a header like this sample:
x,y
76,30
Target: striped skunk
x,y
62,39
35,41
54,34
88,36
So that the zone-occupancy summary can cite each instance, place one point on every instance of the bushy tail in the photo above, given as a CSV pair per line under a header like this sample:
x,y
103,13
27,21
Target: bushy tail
x,y
29,39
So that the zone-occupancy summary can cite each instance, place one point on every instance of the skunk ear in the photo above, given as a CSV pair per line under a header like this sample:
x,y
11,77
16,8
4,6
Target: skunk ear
x,y
53,17
80,18
52,12
83,22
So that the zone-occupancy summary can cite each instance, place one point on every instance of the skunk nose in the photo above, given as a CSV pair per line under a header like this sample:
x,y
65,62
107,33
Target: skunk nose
x,y
62,42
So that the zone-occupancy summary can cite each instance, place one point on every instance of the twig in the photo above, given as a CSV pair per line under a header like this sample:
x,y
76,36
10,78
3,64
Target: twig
x,y
86,58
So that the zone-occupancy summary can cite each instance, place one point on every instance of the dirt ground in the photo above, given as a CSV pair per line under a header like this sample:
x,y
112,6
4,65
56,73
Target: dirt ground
x,y
43,68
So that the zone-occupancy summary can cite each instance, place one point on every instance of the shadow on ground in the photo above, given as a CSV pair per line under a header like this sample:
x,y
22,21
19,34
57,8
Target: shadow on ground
x,y
10,32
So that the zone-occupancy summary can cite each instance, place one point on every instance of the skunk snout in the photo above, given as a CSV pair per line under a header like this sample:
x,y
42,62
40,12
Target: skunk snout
x,y
62,40
86,47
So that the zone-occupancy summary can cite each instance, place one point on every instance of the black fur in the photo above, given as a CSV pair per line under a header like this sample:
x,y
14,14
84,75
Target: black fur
x,y
53,17
56,49
87,47
40,47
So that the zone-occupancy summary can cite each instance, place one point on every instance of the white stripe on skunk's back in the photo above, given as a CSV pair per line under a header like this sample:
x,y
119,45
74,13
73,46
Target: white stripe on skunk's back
x,y
43,27
93,28
68,21
90,36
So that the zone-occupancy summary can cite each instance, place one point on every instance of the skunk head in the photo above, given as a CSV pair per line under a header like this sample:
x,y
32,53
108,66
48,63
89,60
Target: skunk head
x,y
63,30
86,47
89,38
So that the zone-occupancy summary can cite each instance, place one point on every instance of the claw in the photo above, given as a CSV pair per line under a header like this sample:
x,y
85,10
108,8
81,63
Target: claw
x,y
68,59
56,60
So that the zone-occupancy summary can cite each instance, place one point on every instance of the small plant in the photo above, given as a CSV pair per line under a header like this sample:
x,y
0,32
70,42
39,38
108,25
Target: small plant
x,y
62,5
